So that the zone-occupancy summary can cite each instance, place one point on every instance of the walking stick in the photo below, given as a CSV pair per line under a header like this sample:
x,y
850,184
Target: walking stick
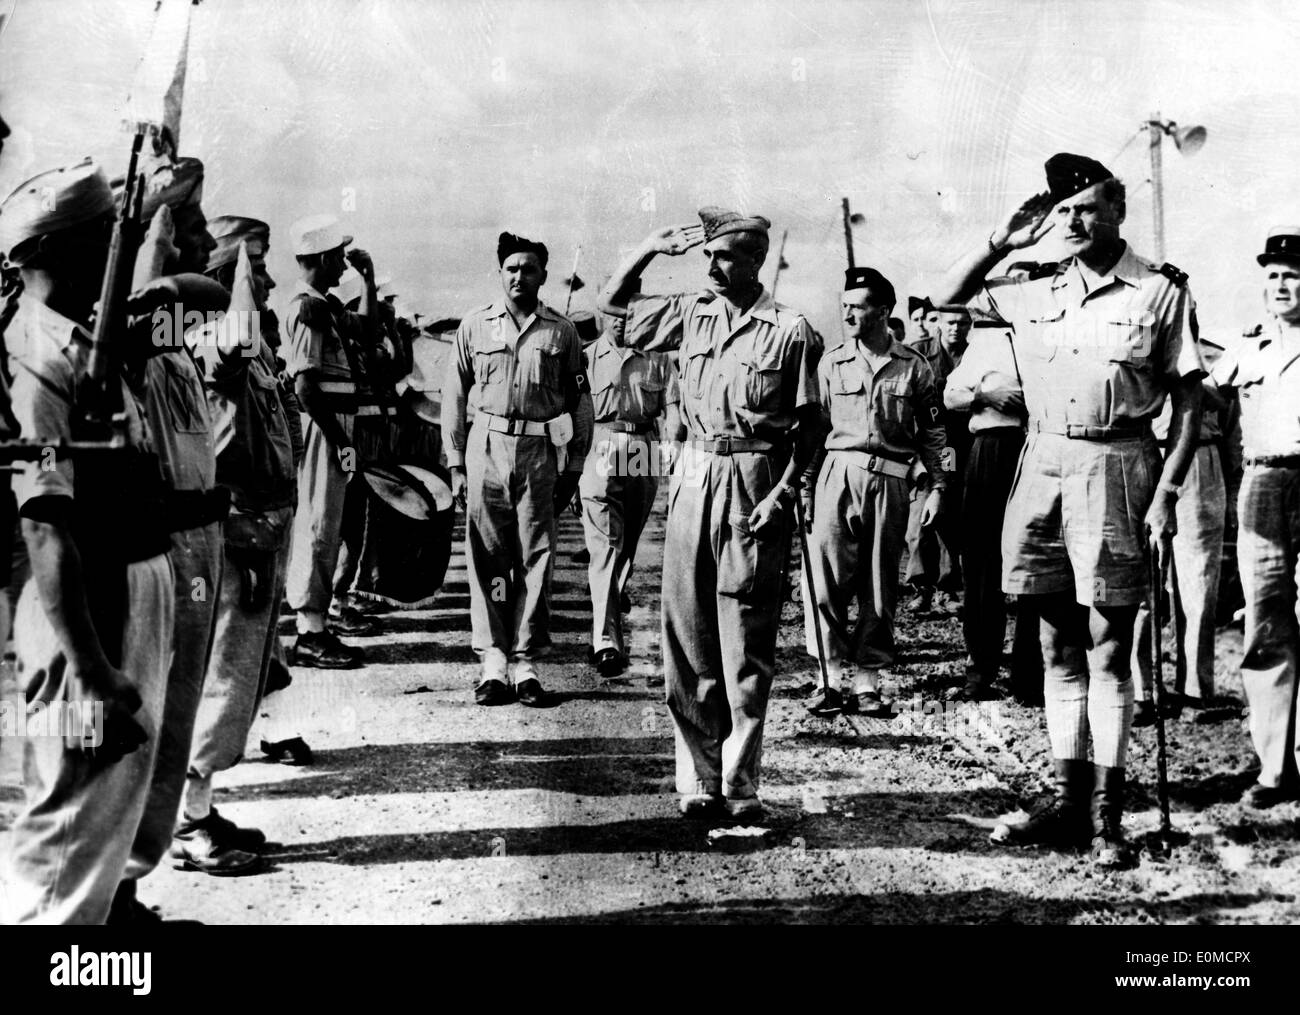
x,y
1160,842
807,591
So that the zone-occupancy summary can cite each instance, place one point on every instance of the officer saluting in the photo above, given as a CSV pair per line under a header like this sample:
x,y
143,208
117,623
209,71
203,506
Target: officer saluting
x,y
880,403
746,379
523,456
1101,339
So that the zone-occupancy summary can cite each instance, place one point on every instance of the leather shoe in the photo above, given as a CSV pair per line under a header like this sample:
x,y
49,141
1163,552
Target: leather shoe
x,y
250,840
699,806
531,693
196,848
323,650
745,809
609,662
353,622
825,702
493,692
287,752
1263,797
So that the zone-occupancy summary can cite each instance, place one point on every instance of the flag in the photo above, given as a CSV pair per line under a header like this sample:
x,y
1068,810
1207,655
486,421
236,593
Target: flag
x,y
574,283
154,102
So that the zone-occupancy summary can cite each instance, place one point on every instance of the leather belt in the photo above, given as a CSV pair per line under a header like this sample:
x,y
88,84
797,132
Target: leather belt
x,y
733,445
1084,432
514,427
1201,442
1274,461
877,463
369,410
621,426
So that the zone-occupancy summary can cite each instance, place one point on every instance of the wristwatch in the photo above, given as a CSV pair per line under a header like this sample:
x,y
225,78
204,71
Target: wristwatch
x,y
785,494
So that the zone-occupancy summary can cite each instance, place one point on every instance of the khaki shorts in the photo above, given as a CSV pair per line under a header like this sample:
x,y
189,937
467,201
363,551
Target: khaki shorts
x,y
1076,519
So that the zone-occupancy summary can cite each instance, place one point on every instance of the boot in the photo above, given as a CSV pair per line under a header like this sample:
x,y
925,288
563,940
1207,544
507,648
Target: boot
x,y
1109,850
1062,822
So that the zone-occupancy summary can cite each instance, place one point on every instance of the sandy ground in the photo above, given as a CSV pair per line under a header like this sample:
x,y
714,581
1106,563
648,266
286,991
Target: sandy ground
x,y
423,808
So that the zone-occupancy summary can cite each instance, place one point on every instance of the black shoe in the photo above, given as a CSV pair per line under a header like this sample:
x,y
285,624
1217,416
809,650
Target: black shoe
x,y
825,703
1109,849
278,676
323,650
248,839
1144,714
624,603
609,663
975,690
1063,822
287,752
200,846
581,556
922,602
493,692
127,910
1263,797
354,623
531,693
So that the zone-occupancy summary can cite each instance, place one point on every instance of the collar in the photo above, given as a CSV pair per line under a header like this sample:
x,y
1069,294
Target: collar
x,y
1127,270
849,350
542,312
39,319
763,309
604,347
304,288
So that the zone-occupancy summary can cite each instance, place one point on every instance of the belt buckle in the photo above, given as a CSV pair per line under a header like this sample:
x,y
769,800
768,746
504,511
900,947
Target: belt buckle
x,y
722,446
871,464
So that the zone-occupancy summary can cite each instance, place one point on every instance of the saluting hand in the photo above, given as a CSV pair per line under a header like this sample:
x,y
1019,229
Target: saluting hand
x,y
1026,225
360,259
674,240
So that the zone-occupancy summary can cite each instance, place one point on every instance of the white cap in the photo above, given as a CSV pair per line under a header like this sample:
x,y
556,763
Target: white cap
x,y
316,234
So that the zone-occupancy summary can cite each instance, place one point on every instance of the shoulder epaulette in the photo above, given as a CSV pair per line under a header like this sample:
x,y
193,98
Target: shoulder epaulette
x,y
1175,275
1045,269
1254,332
1211,343
314,311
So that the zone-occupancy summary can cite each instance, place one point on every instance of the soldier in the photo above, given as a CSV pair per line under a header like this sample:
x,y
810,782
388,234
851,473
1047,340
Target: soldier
x,y
630,390
880,407
918,309
987,385
1263,372
520,462
255,461
320,341
1101,342
745,383
94,623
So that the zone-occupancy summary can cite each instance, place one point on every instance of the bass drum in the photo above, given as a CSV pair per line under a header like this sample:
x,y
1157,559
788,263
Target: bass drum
x,y
412,518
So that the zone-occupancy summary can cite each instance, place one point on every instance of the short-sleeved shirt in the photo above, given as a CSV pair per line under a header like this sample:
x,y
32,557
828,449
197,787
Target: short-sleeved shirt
x,y
1265,371
744,378
48,355
629,385
989,353
516,372
317,330
889,409
1211,427
1097,351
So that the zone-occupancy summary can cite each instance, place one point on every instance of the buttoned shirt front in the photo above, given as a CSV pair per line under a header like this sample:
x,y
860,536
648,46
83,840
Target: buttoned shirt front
x,y
988,356
1097,351
744,378
891,411
1265,370
515,371
629,385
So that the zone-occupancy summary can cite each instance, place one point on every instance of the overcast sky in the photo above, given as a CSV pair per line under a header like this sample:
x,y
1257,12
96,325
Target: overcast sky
x,y
430,126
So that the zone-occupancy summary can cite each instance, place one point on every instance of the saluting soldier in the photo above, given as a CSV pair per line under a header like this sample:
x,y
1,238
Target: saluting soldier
x,y
94,623
1264,371
746,381
520,461
630,391
1102,341
320,341
880,404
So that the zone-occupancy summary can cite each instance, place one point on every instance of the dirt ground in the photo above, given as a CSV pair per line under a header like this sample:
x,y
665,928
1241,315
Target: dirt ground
x,y
423,808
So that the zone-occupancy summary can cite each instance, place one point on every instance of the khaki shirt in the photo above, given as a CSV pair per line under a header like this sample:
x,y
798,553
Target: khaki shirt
x,y
519,373
317,332
179,421
744,378
629,385
48,356
1265,371
892,412
1100,357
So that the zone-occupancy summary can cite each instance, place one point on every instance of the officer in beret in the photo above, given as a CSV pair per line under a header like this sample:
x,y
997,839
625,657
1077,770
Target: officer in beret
x,y
1264,373
321,343
94,623
880,411
520,462
746,382
1102,339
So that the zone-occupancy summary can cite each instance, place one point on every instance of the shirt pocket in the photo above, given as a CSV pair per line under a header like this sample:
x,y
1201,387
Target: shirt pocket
x,y
696,370
544,366
896,401
491,361
763,383
1127,337
1051,330
187,406
652,395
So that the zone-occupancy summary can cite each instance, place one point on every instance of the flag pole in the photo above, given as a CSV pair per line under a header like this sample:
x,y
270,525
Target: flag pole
x,y
577,253
780,261
848,232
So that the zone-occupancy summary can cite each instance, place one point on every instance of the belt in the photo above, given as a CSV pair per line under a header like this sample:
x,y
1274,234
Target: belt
x,y
1274,461
621,426
514,427
733,445
369,410
1201,442
877,463
1084,432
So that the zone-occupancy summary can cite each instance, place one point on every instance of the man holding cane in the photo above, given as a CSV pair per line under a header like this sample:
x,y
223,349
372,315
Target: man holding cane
x,y
1101,340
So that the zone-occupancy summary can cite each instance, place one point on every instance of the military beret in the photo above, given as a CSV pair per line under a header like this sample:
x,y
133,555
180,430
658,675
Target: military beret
x,y
915,303
1068,174
718,222
229,231
52,201
1283,244
869,278
509,243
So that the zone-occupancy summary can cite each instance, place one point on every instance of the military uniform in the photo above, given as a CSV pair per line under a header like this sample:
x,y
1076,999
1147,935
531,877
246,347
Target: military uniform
x,y
630,390
742,381
882,415
1265,372
520,376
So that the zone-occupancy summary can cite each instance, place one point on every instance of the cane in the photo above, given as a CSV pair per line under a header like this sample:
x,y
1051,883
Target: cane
x,y
808,591
1159,843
